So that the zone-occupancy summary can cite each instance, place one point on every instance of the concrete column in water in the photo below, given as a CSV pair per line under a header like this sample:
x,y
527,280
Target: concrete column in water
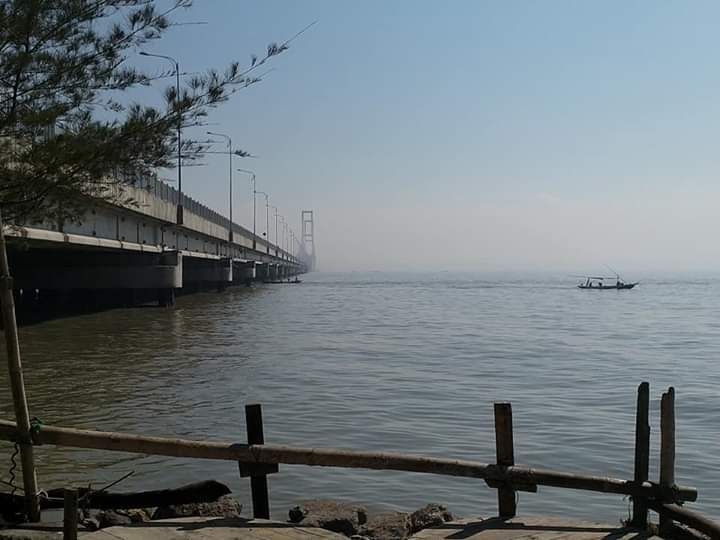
x,y
173,261
245,272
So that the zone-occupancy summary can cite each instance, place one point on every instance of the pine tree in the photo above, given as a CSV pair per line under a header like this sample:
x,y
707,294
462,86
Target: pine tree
x,y
67,136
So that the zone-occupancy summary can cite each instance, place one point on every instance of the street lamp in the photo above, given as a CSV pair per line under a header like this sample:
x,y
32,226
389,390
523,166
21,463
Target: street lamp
x,y
267,219
276,229
282,238
229,142
252,179
179,217
285,237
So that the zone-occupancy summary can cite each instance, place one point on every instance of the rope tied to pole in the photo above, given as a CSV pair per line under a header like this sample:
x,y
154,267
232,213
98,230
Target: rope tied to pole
x,y
13,468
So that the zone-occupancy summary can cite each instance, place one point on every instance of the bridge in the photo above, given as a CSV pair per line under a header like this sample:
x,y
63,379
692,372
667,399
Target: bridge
x,y
142,251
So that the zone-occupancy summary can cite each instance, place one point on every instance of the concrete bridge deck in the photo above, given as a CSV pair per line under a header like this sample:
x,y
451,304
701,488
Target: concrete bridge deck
x,y
143,246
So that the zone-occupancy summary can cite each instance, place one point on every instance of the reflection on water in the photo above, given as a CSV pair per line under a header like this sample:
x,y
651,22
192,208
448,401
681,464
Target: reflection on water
x,y
388,362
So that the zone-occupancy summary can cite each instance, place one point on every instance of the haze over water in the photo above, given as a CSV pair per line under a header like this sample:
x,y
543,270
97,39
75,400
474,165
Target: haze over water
x,y
389,361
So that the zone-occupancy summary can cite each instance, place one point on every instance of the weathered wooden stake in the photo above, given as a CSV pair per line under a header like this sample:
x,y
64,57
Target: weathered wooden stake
x,y
70,516
258,482
667,450
17,384
505,452
642,454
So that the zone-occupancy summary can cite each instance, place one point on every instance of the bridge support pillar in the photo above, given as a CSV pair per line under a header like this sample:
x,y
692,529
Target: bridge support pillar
x,y
244,272
166,295
226,274
262,271
201,273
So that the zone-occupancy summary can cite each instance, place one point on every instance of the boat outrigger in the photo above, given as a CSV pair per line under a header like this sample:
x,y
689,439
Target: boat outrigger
x,y
598,283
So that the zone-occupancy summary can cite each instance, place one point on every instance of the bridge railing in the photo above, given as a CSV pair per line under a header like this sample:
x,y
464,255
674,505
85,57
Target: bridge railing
x,y
167,193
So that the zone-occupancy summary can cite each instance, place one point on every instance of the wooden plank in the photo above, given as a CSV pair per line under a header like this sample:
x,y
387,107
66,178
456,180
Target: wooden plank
x,y
327,457
198,492
667,450
505,455
642,453
528,528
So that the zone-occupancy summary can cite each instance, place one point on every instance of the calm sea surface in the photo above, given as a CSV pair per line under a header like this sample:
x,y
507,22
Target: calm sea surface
x,y
395,362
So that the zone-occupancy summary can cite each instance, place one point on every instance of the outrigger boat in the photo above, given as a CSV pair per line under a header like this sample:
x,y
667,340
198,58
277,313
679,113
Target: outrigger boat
x,y
598,283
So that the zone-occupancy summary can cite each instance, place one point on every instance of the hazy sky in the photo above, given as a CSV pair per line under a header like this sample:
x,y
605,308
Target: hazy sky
x,y
474,135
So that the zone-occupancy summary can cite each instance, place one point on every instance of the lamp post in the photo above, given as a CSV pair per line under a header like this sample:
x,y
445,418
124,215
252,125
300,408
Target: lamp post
x,y
229,143
282,237
285,236
252,179
179,217
267,219
276,229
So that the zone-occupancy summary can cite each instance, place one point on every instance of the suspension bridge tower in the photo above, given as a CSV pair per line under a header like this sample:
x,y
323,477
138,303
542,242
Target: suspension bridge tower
x,y
307,240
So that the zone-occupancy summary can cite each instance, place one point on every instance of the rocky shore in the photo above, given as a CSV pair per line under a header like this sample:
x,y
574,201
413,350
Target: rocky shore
x,y
353,520
348,519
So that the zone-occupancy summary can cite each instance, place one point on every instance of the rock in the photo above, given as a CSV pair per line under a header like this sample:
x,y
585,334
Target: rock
x,y
226,506
108,518
91,524
137,515
359,537
296,514
343,518
432,515
388,526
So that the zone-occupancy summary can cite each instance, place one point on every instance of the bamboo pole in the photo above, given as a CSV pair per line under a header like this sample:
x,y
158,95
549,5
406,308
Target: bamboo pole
x,y
321,457
642,453
505,455
258,482
687,517
17,384
667,450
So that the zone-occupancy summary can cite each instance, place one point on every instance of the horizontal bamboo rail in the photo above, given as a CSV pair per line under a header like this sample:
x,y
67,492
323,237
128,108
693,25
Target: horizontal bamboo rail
x,y
276,454
687,517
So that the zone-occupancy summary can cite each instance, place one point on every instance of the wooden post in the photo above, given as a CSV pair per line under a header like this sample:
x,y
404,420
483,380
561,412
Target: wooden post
x,y
642,454
258,482
667,449
17,384
505,452
70,516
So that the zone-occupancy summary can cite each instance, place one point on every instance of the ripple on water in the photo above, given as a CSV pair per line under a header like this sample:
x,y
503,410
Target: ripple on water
x,y
404,363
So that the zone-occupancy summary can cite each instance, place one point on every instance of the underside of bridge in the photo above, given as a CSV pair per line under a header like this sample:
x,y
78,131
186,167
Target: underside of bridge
x,y
52,278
